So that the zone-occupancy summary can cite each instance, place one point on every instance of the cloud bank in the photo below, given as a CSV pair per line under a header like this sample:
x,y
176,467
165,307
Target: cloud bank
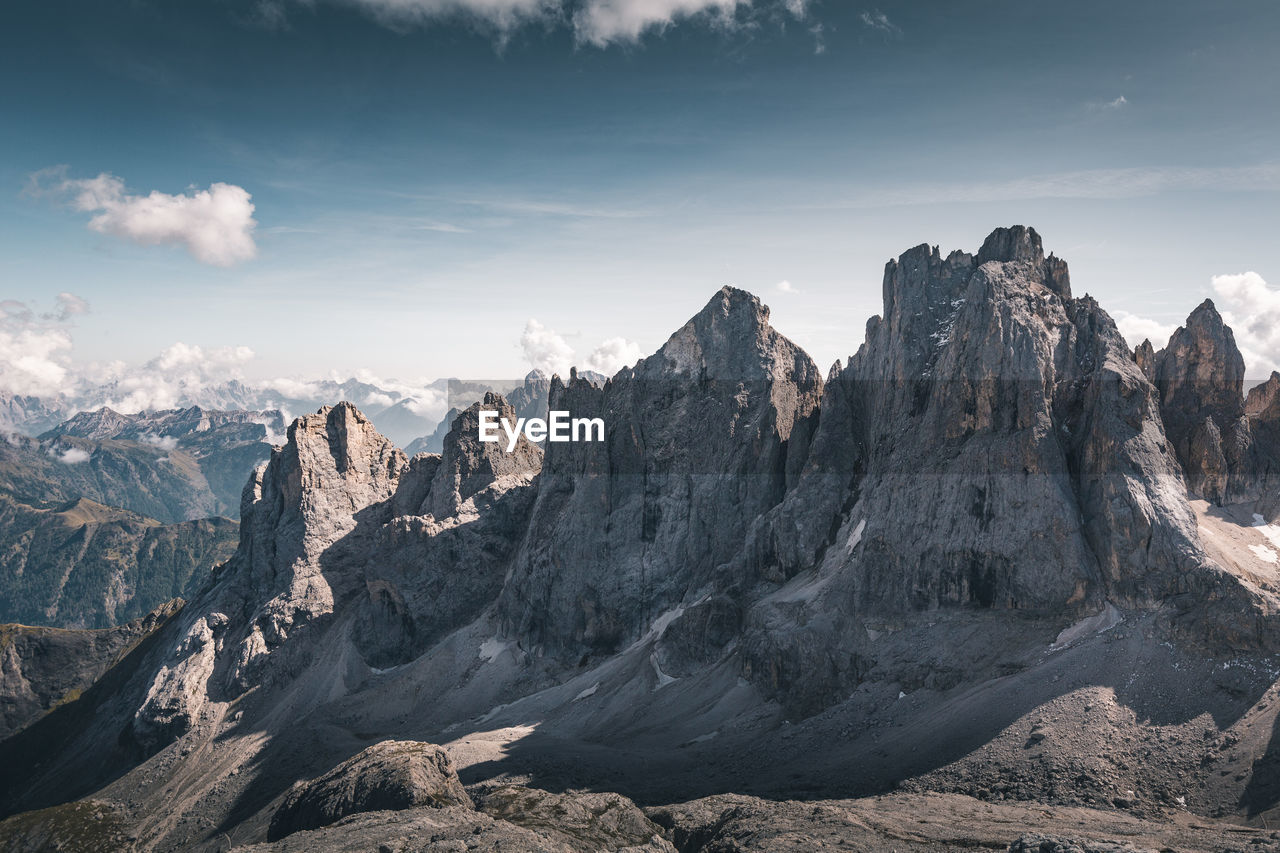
x,y
547,351
215,225
1251,308
35,351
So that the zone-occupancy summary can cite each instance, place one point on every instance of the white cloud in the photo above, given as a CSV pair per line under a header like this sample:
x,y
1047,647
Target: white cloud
x,y
35,351
878,20
596,22
180,375
785,286
612,355
819,42
602,22
545,350
501,15
68,305
1117,103
164,442
1138,329
273,437
1251,308
70,456
215,225
295,388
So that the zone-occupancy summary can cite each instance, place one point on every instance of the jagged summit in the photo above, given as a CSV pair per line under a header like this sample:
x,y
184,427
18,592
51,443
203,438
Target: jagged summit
x,y
1200,376
1145,356
468,465
730,339
953,515
1263,397
1016,244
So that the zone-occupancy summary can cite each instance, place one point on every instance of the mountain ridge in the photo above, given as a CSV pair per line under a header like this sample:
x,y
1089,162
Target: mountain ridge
x,y
760,572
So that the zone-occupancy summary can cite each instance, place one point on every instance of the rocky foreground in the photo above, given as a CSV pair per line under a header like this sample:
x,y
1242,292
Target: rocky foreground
x,y
997,582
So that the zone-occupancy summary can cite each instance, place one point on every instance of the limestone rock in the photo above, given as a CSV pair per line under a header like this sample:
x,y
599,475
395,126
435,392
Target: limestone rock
x,y
305,521
1200,375
1145,356
44,668
388,776
468,465
993,444
701,438
583,821
1261,401
1034,842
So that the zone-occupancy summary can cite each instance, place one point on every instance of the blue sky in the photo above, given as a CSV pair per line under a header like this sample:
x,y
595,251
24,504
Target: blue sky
x,y
428,175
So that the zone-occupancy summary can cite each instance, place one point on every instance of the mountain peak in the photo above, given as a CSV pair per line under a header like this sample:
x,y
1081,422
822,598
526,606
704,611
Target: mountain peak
x,y
1022,244
730,300
1200,376
1263,397
730,338
1006,245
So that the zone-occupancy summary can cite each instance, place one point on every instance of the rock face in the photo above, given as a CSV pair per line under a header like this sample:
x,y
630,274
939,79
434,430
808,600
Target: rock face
x,y
993,444
388,776
583,821
466,508
85,565
701,438
299,513
1145,356
340,515
1261,402
910,548
43,668
1200,375
468,466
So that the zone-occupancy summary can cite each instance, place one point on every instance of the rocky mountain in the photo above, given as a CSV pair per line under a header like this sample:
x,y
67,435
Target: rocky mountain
x,y
963,567
226,445
28,415
148,479
528,399
1200,376
42,669
85,565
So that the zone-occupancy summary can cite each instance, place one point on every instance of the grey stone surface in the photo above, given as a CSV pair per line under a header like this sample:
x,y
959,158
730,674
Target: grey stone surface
x,y
388,776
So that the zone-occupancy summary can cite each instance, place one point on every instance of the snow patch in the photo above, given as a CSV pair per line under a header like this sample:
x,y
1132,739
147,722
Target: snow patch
x,y
1265,554
660,625
1270,531
663,678
855,537
1096,624
491,648
590,691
